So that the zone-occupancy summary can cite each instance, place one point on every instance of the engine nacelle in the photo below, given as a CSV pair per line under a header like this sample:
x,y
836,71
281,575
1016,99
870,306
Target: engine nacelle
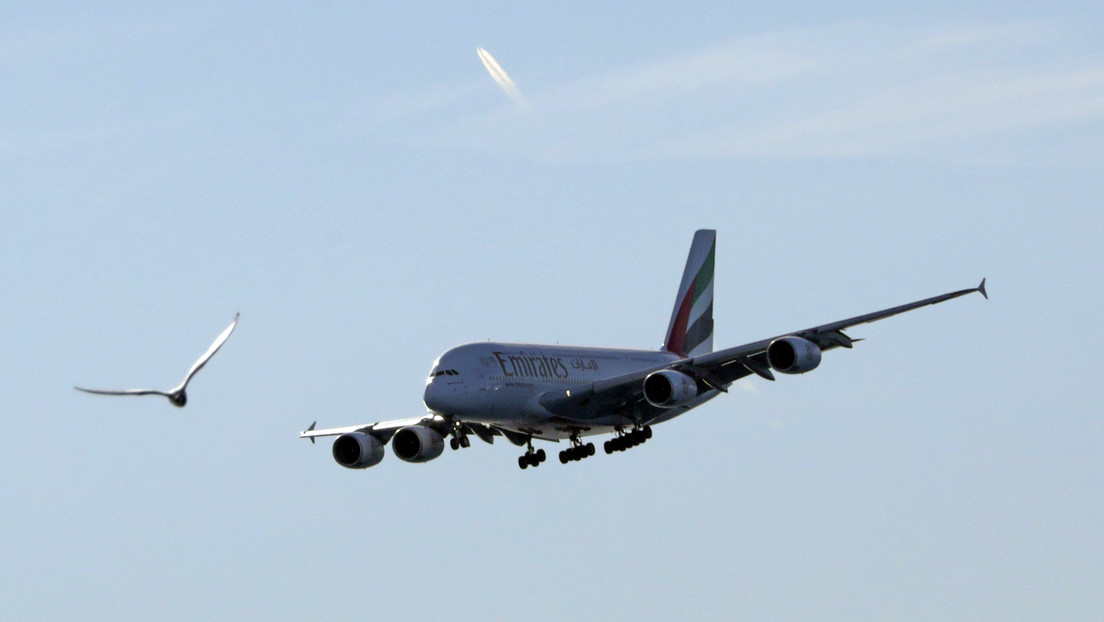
x,y
793,355
415,443
357,450
668,388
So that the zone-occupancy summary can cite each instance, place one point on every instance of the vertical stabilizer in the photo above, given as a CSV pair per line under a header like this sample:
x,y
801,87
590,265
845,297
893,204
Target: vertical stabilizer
x,y
690,332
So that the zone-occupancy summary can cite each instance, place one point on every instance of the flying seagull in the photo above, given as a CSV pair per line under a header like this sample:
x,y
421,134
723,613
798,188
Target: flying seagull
x,y
177,395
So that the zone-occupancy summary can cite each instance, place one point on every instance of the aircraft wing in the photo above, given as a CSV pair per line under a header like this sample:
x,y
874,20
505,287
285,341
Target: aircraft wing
x,y
826,337
719,369
382,430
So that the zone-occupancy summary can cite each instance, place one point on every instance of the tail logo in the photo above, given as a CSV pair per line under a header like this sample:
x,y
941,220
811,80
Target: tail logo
x,y
690,332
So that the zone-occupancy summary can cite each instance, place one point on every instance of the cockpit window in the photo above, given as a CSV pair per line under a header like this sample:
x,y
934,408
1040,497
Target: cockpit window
x,y
443,372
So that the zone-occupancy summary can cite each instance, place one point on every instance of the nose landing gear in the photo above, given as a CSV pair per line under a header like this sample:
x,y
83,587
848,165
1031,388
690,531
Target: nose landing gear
x,y
459,437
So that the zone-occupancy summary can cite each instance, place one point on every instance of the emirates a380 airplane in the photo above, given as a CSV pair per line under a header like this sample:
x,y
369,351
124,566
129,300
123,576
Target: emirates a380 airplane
x,y
527,392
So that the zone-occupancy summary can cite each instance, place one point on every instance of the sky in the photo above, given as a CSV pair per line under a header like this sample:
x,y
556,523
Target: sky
x,y
354,182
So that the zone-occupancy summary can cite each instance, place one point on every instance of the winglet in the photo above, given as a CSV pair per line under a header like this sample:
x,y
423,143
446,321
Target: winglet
x,y
311,428
981,288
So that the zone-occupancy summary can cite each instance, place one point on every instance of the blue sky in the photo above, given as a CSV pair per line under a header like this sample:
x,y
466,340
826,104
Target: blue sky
x,y
353,182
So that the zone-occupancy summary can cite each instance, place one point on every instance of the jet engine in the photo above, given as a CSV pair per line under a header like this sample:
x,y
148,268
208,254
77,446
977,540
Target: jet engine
x,y
793,355
357,450
416,443
667,388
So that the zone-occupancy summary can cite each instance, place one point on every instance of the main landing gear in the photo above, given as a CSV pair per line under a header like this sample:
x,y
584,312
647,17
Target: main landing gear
x,y
577,451
532,458
628,440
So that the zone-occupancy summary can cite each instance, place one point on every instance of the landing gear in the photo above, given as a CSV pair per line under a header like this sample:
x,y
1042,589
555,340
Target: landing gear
x,y
577,451
628,440
459,438
532,458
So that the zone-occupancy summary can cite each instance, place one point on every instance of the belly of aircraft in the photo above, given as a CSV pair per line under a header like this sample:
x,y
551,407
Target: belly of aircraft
x,y
515,406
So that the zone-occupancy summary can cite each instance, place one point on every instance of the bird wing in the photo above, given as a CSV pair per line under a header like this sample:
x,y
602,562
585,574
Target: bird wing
x,y
198,365
126,392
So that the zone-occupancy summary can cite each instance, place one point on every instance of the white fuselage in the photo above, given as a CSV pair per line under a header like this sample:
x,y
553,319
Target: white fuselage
x,y
501,383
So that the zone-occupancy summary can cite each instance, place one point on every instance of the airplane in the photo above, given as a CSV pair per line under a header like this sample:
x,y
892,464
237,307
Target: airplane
x,y
526,392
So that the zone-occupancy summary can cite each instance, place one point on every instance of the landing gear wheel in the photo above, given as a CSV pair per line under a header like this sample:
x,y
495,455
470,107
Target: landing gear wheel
x,y
627,440
465,442
531,458
455,444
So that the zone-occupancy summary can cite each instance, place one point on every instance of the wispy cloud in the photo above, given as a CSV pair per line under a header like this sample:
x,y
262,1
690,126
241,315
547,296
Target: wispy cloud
x,y
499,75
850,90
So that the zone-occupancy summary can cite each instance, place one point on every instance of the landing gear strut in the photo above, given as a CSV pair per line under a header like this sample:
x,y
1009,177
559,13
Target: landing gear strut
x,y
532,458
628,440
577,451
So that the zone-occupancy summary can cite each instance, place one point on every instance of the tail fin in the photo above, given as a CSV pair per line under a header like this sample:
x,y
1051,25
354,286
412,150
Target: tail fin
x,y
690,332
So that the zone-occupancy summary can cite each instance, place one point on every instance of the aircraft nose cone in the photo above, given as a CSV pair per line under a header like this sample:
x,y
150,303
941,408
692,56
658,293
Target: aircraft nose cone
x,y
432,396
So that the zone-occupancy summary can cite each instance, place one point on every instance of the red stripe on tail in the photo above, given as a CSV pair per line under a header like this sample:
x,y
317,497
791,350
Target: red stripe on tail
x,y
676,341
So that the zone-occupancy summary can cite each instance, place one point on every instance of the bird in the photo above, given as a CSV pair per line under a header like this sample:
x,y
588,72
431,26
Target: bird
x,y
177,395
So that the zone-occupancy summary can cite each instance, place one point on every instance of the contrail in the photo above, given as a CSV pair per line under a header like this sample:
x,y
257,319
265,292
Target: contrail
x,y
499,75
